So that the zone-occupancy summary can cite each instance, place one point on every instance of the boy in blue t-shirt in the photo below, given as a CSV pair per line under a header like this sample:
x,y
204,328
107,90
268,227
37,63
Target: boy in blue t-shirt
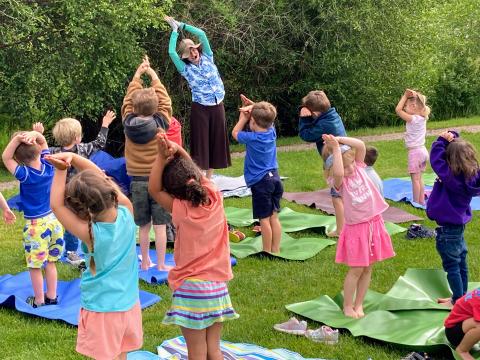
x,y
43,233
261,169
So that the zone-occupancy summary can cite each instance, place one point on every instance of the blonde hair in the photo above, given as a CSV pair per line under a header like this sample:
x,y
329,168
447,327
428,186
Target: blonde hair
x,y
347,158
316,100
145,101
66,131
422,100
264,114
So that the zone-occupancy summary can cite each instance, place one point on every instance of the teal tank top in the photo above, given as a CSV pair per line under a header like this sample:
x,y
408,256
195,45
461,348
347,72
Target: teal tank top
x,y
114,287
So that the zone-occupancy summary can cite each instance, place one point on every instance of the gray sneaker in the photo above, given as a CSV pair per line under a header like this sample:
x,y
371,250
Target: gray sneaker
x,y
324,334
74,259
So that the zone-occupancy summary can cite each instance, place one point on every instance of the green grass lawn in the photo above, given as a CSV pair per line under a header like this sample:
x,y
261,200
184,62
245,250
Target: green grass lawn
x,y
261,287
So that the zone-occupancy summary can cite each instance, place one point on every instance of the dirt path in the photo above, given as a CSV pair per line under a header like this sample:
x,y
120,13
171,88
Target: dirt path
x,y
369,138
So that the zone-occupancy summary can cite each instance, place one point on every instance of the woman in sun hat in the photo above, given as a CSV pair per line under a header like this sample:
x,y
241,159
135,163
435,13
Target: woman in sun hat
x,y
208,132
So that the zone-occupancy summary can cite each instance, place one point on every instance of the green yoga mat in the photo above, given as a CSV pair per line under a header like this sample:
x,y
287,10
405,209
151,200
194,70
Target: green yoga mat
x,y
290,248
293,221
407,315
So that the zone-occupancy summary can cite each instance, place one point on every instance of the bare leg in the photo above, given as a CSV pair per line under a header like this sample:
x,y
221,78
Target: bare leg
x,y
339,216
214,333
421,192
276,232
362,287
143,234
471,328
51,277
196,343
416,188
349,287
37,284
161,246
266,234
209,173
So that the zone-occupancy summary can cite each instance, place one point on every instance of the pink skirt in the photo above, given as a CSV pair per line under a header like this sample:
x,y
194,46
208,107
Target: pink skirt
x,y
364,244
107,335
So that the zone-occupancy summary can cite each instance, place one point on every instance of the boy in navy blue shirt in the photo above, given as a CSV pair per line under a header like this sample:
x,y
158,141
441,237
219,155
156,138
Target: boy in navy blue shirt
x,y
318,117
261,169
43,233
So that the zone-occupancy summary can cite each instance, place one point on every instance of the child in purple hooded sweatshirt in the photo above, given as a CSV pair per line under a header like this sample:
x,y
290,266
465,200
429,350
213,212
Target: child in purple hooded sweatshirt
x,y
458,180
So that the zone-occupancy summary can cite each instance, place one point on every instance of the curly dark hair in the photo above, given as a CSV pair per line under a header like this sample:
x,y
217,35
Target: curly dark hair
x,y
182,179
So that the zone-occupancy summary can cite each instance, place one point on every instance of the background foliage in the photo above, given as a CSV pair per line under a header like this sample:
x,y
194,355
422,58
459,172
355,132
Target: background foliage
x,y
74,58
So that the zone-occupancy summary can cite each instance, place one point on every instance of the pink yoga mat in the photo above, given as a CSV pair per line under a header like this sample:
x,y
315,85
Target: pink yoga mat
x,y
322,200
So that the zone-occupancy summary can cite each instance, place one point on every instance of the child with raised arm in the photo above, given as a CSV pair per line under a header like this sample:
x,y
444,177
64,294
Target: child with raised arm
x,y
413,109
92,207
454,160
43,233
201,302
261,169
318,117
209,146
462,326
146,111
364,239
67,133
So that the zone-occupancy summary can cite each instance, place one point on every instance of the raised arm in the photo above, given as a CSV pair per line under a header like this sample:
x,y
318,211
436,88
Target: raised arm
x,y
206,49
401,104
166,151
356,144
337,160
135,84
438,157
242,120
99,143
7,155
172,52
67,217
164,101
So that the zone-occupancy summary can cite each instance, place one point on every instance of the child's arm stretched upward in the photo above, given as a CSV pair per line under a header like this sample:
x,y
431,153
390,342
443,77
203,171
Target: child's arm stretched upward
x,y
401,104
356,144
67,217
166,151
337,167
242,120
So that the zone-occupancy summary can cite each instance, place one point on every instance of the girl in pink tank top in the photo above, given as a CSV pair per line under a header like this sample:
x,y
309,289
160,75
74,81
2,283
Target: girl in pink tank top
x,y
364,239
413,109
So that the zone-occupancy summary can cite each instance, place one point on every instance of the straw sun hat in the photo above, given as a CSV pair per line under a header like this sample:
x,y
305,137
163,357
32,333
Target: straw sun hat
x,y
185,46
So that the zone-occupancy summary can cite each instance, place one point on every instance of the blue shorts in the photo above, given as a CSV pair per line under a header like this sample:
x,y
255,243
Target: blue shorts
x,y
266,195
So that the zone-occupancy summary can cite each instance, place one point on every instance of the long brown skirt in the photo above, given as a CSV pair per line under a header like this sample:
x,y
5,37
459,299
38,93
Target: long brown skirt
x,y
208,137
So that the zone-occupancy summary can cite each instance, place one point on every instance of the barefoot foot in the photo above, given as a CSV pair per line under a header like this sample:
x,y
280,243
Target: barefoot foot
x,y
465,355
444,300
146,263
164,268
350,312
359,311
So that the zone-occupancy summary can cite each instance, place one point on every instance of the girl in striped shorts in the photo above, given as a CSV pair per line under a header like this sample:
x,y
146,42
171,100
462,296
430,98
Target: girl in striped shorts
x,y
201,302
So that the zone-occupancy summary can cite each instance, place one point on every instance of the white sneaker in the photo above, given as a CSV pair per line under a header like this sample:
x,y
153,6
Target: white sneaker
x,y
324,334
292,326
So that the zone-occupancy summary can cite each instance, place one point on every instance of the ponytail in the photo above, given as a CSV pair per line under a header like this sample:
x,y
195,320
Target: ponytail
x,y
195,193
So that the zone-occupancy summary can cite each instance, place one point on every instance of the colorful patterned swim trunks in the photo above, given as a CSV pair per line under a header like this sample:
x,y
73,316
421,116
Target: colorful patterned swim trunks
x,y
42,240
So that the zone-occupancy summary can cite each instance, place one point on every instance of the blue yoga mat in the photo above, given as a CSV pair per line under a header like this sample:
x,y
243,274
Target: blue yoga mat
x,y
14,290
152,275
401,190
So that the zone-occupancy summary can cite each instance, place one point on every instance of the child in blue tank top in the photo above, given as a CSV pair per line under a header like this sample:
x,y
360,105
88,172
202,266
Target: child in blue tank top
x,y
92,207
